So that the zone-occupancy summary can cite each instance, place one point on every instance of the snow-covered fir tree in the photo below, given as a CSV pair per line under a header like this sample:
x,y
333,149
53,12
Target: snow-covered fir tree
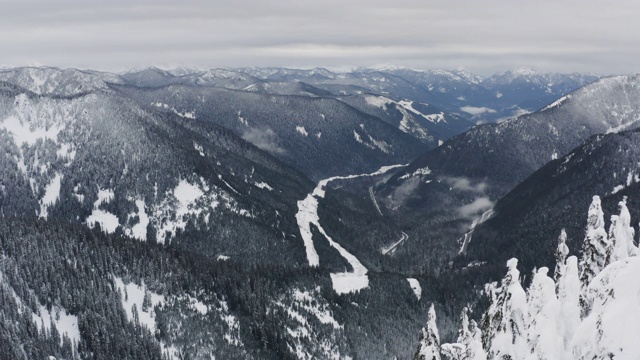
x,y
568,291
595,245
429,345
469,342
474,349
505,332
544,328
561,255
621,235
545,322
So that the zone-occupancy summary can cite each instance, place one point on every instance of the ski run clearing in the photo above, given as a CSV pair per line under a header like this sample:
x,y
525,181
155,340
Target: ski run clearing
x,y
344,282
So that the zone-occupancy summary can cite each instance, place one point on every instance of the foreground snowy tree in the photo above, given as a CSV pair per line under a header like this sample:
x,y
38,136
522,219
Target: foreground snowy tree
x,y
429,345
546,323
611,329
621,235
594,248
568,291
469,342
545,326
474,349
567,284
504,323
561,255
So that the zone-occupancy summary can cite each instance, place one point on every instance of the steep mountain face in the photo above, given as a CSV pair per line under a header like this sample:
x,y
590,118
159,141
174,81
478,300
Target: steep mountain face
x,y
319,136
551,198
445,193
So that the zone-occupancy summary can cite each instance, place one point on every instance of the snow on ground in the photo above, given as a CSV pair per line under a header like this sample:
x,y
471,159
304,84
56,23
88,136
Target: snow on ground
x,y
132,295
199,148
632,177
51,195
139,230
79,197
263,185
305,339
171,216
24,133
65,323
434,118
378,101
415,286
183,114
186,194
307,216
105,196
308,301
419,172
108,221
370,142
188,200
556,103
302,131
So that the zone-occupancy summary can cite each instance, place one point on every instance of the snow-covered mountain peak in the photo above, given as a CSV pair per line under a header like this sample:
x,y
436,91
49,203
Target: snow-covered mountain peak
x,y
523,71
467,75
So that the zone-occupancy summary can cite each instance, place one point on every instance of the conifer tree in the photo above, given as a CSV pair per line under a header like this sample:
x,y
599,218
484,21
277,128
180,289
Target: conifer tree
x,y
474,349
504,333
544,327
561,255
621,235
595,245
429,345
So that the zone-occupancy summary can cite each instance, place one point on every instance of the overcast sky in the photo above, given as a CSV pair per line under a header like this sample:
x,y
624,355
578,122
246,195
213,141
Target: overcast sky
x,y
483,35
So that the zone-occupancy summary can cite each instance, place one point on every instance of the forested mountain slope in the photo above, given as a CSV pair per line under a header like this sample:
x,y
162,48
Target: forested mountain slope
x,y
440,195
550,199
321,137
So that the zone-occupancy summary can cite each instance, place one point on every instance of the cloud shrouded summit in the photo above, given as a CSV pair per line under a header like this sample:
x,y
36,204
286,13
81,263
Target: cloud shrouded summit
x,y
487,36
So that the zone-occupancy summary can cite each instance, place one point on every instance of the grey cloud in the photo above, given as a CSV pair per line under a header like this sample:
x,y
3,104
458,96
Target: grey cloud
x,y
464,184
474,209
265,139
485,36
404,192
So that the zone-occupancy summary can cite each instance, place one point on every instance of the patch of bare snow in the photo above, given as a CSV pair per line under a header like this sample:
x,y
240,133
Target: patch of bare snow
x,y
51,195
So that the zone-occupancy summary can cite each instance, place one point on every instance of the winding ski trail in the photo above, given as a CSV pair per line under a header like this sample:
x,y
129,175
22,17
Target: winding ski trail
x,y
343,282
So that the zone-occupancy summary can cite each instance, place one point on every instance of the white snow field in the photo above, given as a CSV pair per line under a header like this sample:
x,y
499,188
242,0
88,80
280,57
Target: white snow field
x,y
307,216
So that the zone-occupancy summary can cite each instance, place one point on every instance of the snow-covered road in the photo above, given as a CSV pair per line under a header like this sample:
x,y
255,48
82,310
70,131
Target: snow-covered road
x,y
395,245
373,199
344,282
